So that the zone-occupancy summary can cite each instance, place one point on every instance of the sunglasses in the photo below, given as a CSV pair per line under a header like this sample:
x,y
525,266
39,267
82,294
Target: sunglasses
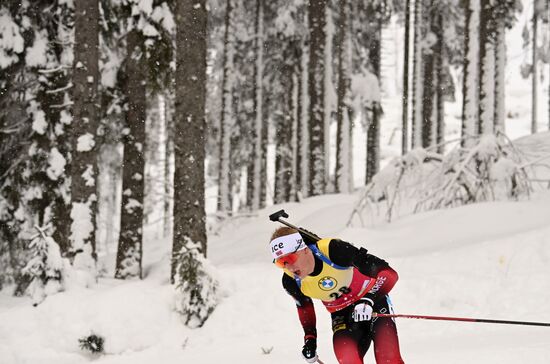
x,y
287,259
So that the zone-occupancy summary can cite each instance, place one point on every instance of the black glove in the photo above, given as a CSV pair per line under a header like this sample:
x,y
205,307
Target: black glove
x,y
309,351
309,239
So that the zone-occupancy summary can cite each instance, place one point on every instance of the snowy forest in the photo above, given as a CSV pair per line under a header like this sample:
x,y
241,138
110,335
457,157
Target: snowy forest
x,y
128,123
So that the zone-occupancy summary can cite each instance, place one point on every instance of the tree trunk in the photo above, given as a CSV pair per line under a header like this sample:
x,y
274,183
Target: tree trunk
x,y
299,126
85,124
471,74
329,92
109,186
283,132
258,99
535,73
373,131
405,100
168,167
263,177
316,82
487,72
130,245
226,117
500,69
440,104
189,139
293,193
417,76
429,93
342,130
304,160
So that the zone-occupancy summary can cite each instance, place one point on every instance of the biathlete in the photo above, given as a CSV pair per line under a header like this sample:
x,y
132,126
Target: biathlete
x,y
351,283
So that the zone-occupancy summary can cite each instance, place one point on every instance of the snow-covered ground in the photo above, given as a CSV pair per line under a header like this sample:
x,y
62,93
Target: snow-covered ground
x,y
490,260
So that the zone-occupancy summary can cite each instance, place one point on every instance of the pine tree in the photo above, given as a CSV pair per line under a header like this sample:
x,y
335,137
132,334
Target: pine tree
x,y
316,91
197,290
288,35
378,15
168,166
189,268
303,124
494,18
84,130
330,107
405,99
546,20
343,174
226,117
130,246
417,87
487,67
35,103
46,268
429,94
500,68
440,66
189,141
259,121
534,72
145,74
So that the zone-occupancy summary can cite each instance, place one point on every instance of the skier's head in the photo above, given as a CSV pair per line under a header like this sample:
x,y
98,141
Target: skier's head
x,y
290,252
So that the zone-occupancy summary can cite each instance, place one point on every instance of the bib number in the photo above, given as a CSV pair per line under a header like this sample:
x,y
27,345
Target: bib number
x,y
342,291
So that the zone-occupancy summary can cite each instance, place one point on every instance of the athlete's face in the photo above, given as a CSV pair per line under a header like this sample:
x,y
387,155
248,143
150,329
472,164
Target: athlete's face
x,y
304,264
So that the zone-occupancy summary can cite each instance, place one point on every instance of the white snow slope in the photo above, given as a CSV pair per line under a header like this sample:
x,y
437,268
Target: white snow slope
x,y
489,260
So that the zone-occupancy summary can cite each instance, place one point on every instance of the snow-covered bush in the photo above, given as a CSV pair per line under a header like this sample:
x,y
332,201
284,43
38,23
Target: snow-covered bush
x,y
492,169
46,268
197,289
92,343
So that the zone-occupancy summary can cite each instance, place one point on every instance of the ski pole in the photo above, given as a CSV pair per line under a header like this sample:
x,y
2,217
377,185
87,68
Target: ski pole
x,y
463,319
276,216
319,361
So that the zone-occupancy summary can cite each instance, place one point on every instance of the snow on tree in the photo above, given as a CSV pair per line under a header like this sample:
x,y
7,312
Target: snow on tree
x,y
422,180
84,132
190,138
130,246
34,153
46,268
197,290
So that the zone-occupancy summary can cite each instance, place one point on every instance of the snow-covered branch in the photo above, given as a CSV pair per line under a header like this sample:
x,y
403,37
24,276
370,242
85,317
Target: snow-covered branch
x,y
492,168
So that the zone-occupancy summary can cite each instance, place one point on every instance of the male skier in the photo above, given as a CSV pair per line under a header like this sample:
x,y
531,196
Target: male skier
x,y
351,283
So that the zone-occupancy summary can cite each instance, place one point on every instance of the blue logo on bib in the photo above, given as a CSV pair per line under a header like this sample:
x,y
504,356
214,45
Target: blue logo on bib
x,y
327,283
